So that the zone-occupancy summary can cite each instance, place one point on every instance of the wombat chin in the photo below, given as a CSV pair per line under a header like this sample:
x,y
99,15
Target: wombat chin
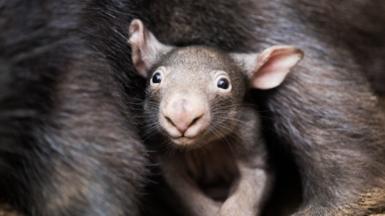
x,y
186,142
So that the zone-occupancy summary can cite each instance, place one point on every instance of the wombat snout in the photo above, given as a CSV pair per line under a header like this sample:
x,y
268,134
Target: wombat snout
x,y
184,117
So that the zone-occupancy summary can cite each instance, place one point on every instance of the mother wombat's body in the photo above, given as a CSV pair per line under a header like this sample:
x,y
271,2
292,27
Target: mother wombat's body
x,y
40,44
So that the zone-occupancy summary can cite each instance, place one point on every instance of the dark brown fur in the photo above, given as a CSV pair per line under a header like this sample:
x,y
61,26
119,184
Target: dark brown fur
x,y
68,146
326,117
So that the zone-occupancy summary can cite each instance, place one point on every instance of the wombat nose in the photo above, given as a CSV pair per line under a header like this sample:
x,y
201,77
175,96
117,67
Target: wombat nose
x,y
183,114
182,122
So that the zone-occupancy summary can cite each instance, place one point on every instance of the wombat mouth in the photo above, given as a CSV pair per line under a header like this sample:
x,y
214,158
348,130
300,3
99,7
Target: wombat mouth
x,y
184,141
195,142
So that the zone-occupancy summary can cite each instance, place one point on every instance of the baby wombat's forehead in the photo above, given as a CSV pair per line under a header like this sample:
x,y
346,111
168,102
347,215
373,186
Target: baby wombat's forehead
x,y
199,58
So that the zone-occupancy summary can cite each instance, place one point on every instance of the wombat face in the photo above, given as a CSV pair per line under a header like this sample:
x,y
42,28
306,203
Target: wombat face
x,y
194,95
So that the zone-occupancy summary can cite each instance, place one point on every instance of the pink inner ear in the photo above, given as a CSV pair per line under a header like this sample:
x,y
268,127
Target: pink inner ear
x,y
137,41
145,48
274,67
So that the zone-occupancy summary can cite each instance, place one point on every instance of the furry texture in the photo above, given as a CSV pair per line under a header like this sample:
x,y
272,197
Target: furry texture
x,y
67,139
68,146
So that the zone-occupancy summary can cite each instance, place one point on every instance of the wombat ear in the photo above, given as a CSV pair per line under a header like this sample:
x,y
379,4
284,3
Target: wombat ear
x,y
269,68
146,50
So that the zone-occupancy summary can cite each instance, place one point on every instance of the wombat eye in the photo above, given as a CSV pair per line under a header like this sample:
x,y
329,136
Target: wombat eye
x,y
156,78
223,83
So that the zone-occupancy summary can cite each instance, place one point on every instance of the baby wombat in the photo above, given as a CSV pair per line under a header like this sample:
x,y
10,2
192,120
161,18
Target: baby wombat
x,y
196,101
